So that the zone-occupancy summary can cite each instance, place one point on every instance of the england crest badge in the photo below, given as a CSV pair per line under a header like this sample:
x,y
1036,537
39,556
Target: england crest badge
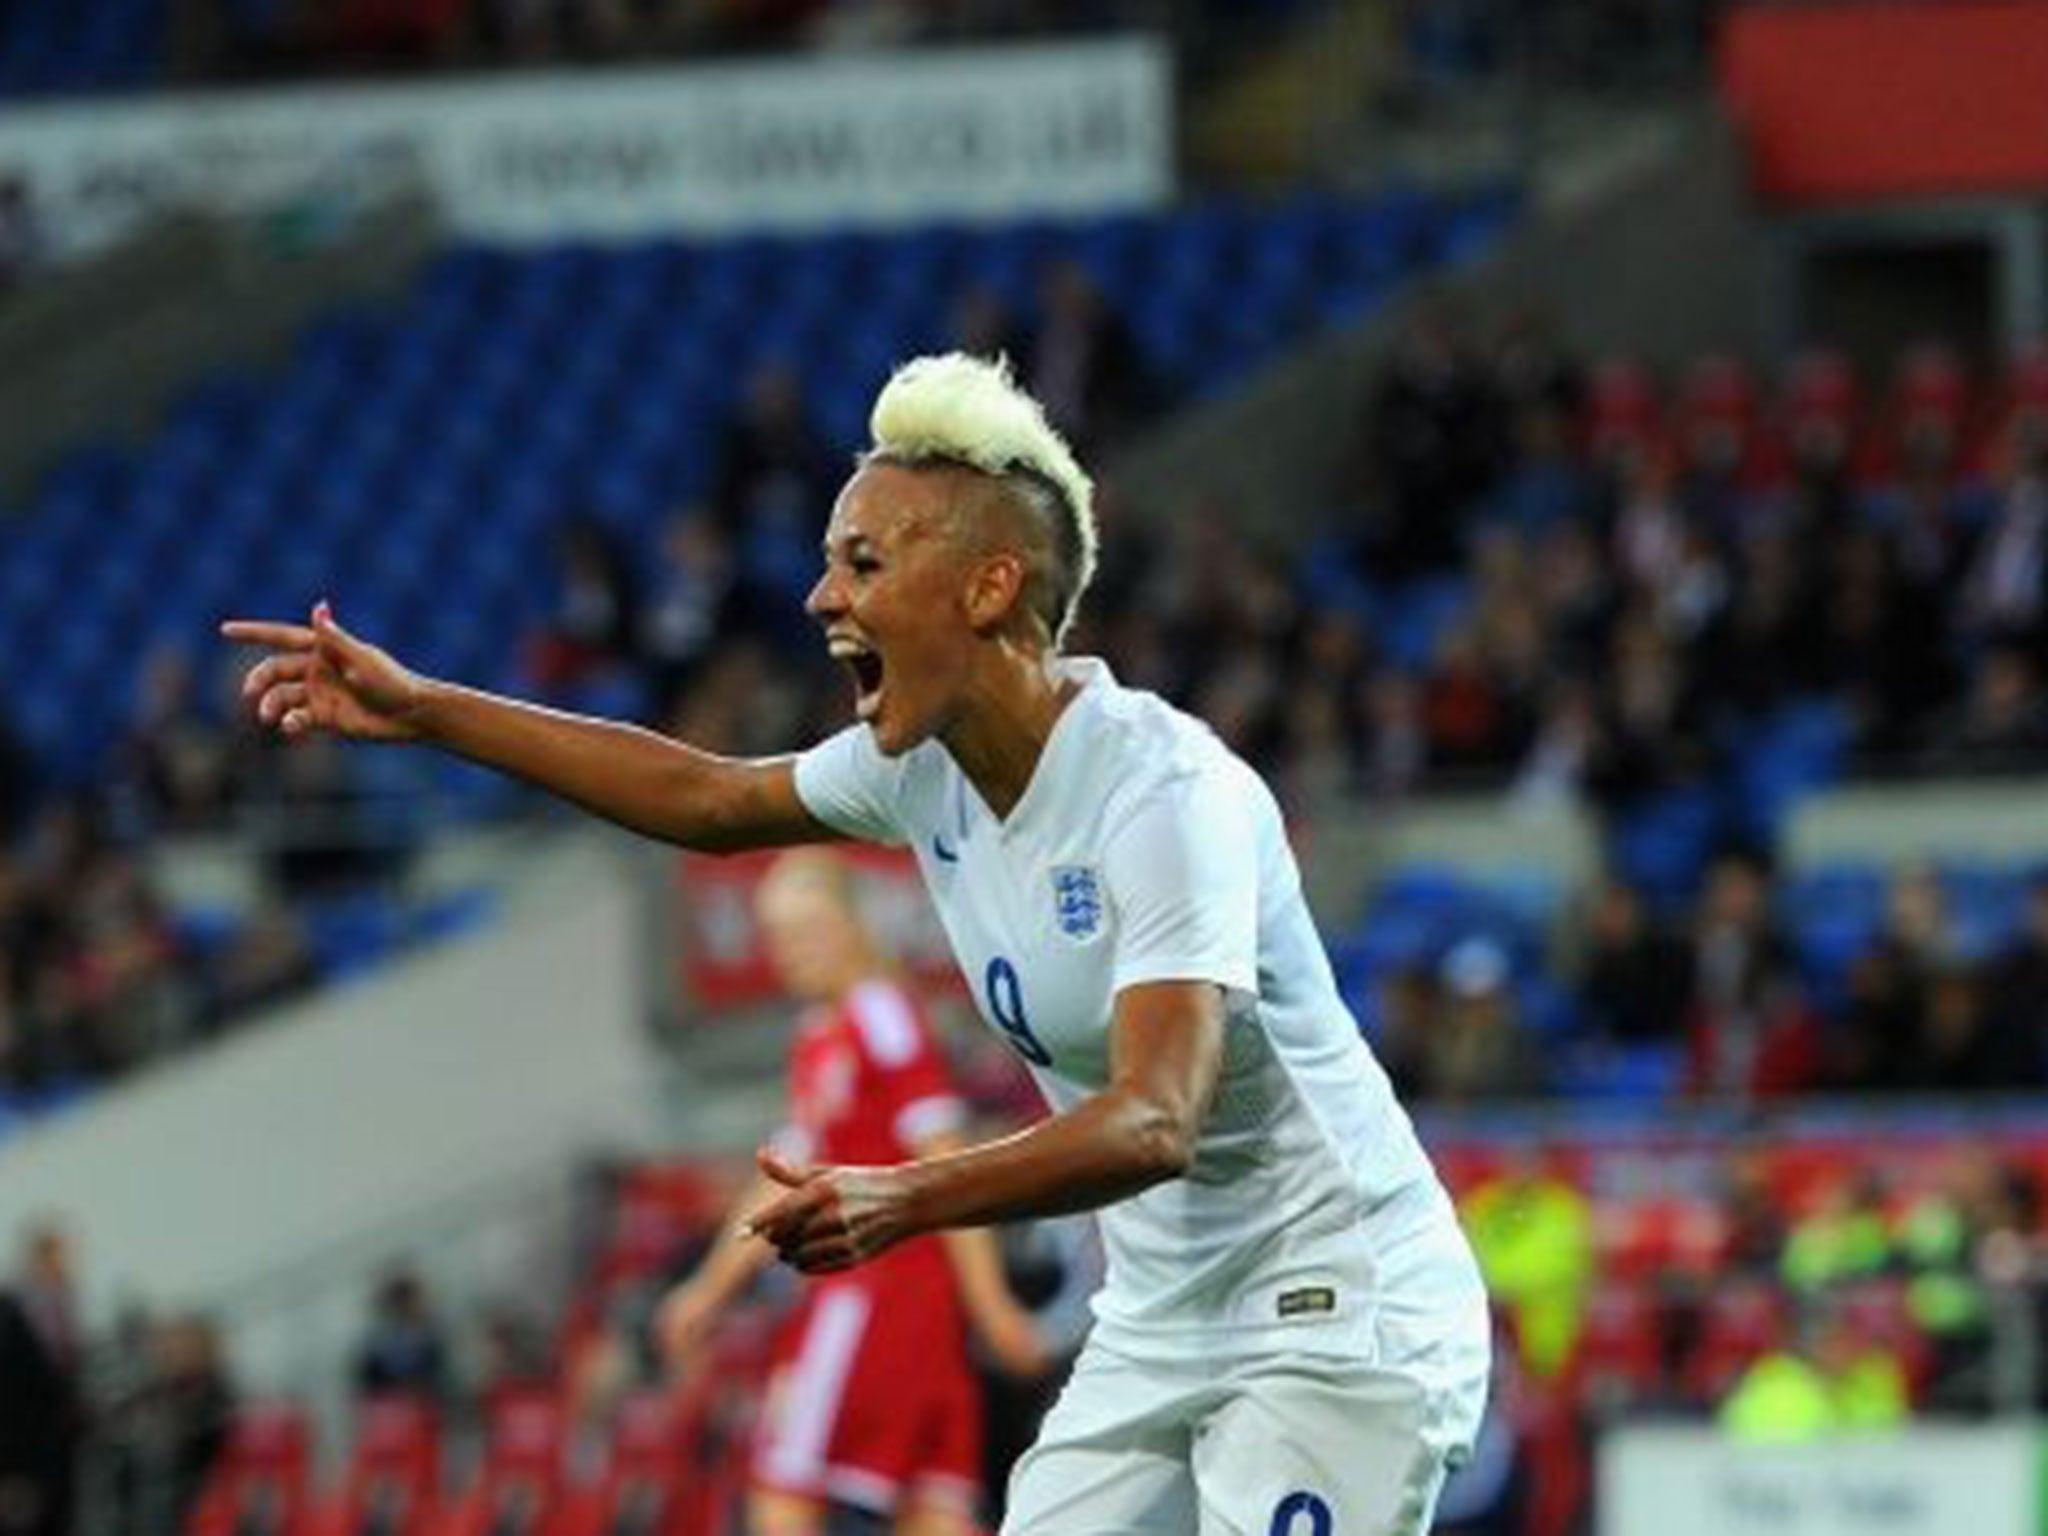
x,y
1077,901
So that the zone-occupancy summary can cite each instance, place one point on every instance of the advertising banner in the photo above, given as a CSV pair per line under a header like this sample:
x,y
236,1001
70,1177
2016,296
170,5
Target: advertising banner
x,y
1857,102
1932,1480
628,153
726,966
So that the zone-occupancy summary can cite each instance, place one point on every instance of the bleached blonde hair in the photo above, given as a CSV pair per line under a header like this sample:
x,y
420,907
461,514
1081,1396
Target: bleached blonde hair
x,y
960,409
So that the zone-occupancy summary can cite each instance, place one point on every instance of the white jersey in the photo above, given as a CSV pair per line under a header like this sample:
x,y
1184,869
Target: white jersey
x,y
1142,851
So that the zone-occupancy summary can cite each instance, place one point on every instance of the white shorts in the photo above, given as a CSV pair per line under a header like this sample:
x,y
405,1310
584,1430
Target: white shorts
x,y
1274,1445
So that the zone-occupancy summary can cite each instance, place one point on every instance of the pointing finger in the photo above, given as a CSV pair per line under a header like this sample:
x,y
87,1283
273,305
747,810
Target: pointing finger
x,y
288,637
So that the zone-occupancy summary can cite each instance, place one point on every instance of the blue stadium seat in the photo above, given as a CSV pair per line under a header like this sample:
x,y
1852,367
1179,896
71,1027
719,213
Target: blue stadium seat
x,y
1662,847
351,935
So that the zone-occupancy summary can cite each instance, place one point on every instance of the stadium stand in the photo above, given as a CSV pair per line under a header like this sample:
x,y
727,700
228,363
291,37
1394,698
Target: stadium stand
x,y
611,385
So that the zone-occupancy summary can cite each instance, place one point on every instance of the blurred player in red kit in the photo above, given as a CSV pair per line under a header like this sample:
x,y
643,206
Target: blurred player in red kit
x,y
873,1412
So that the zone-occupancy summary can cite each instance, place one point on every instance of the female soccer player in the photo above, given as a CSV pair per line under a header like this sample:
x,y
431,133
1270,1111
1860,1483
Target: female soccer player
x,y
1292,1338
872,1407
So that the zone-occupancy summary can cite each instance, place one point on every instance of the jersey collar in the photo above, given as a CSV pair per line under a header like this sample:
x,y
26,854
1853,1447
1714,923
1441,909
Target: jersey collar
x,y
1054,767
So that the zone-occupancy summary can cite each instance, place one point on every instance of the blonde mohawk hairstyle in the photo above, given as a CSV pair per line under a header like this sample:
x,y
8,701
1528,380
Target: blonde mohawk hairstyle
x,y
959,409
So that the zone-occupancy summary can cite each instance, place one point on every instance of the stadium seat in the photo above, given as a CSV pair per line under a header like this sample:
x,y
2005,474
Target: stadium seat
x,y
649,1485
519,1488
1739,1322
393,1483
259,1484
1618,1361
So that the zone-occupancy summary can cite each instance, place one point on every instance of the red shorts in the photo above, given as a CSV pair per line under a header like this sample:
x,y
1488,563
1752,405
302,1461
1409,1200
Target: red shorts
x,y
871,1401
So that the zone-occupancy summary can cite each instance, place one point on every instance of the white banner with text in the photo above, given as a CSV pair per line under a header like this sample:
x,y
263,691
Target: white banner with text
x,y
622,153
1931,1480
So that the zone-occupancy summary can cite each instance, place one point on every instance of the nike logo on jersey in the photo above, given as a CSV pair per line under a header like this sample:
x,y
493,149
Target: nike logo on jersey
x,y
945,851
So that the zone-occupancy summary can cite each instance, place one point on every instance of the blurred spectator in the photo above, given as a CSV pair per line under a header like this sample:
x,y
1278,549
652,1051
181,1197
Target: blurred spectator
x,y
267,960
593,628
1396,750
2016,989
1554,770
1645,743
1532,1233
1768,643
1084,366
984,326
18,780
1751,1033
320,830
21,234
404,1351
772,495
1548,486
188,1408
1844,1238
1476,1046
1470,724
41,1408
512,1354
690,607
2006,597
1754,1246
2002,726
1939,1238
174,768
97,983
1828,1382
1636,978
1430,434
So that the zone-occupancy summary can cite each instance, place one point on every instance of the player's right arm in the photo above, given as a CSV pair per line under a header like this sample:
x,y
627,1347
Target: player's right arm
x,y
319,677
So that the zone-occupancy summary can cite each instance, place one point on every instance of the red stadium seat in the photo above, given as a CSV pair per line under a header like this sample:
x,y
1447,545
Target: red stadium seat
x,y
1739,1323
259,1485
1622,408
1931,410
1718,426
1822,386
519,1489
649,1485
1619,1359
1644,1239
394,1478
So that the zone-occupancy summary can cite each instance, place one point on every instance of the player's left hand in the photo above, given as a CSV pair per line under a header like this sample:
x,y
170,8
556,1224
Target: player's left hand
x,y
830,1218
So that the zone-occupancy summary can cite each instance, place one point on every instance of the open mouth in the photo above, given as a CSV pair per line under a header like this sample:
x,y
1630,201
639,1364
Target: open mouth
x,y
865,668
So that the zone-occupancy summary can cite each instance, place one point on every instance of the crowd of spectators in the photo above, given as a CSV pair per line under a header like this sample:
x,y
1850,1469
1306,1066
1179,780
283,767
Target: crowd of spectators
x,y
1720,997
1792,1294
1540,576
98,973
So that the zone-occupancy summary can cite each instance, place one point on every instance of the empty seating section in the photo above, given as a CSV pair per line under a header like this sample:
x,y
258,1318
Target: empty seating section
x,y
56,47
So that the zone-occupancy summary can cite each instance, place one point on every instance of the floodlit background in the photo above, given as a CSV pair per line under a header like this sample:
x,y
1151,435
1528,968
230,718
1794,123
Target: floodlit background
x,y
1591,454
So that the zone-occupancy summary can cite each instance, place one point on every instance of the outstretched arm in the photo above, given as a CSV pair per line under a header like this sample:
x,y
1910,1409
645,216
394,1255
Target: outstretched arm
x,y
319,677
1166,1047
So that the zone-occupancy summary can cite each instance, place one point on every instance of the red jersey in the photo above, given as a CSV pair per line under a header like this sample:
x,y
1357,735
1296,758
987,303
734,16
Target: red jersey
x,y
867,1084
871,1396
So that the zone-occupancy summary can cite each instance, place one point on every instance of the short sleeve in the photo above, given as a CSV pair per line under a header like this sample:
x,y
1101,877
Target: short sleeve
x,y
909,1076
847,784
1183,876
